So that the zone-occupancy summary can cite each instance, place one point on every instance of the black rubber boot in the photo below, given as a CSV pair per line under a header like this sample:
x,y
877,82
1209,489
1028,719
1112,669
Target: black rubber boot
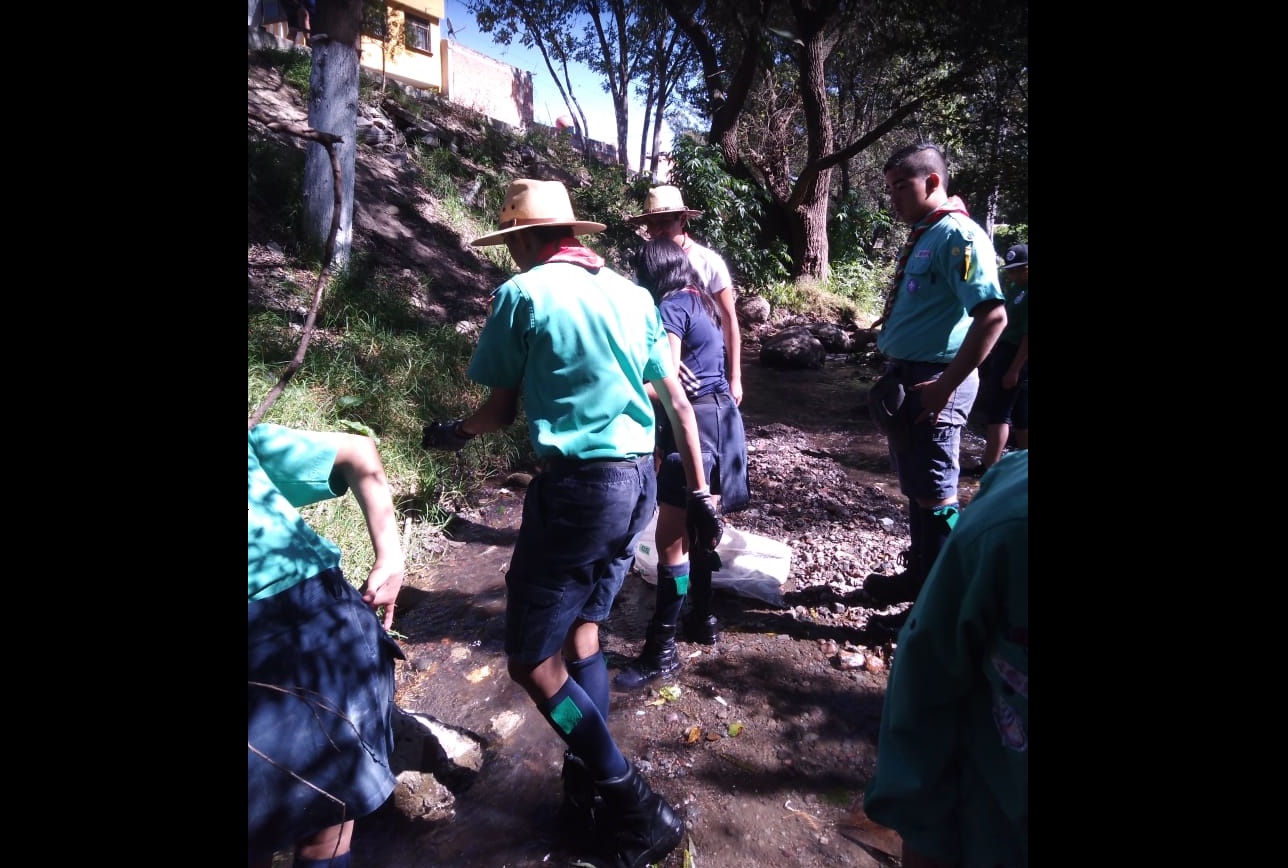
x,y
658,658
702,630
901,587
886,628
700,625
577,813
636,826
929,529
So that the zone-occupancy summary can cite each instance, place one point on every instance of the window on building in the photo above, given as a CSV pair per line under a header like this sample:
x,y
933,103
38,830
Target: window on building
x,y
417,33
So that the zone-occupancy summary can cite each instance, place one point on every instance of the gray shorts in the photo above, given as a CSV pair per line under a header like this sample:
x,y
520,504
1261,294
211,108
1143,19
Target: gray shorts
x,y
929,468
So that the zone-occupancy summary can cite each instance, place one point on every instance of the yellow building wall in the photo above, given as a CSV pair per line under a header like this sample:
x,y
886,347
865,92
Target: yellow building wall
x,y
426,8
408,65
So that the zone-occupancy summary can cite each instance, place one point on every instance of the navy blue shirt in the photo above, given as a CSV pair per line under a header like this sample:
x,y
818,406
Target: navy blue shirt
x,y
702,343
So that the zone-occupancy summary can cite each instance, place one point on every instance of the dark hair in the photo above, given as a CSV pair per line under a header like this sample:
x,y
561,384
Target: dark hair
x,y
919,160
546,234
662,267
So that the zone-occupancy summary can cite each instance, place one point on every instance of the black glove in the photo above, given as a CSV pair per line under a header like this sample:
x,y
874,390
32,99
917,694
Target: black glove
x,y
703,520
444,435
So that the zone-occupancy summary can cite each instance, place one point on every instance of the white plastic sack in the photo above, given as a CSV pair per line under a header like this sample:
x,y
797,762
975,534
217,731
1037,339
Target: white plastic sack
x,y
752,565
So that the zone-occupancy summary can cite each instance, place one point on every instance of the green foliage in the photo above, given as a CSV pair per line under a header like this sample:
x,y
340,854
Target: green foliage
x,y
294,63
853,227
376,368
497,146
732,213
274,175
440,171
1005,236
602,200
297,69
861,285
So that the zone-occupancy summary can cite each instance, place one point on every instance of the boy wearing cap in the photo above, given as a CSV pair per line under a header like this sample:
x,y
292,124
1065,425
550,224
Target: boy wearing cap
x,y
1004,376
579,341
943,315
665,216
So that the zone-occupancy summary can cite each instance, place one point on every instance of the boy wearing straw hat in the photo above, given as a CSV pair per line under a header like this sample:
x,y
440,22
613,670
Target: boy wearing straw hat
x,y
665,216
578,342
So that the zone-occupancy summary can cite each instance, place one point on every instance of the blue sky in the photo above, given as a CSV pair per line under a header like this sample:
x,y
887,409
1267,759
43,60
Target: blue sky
x,y
547,104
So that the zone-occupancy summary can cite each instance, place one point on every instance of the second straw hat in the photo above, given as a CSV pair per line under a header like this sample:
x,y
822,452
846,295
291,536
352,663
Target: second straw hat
x,y
663,200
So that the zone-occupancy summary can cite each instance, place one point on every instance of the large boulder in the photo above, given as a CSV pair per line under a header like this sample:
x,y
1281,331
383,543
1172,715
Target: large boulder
x,y
833,338
432,762
793,348
752,310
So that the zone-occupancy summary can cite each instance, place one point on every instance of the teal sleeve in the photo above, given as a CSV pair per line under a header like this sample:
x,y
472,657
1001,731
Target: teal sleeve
x,y
952,752
501,354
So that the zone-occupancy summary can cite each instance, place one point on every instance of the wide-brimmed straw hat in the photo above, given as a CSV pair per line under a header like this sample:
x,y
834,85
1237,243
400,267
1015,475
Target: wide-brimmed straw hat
x,y
529,203
663,200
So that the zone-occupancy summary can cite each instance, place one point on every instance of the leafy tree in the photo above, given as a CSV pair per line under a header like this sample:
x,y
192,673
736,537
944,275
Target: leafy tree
x,y
378,24
667,62
547,28
611,54
754,54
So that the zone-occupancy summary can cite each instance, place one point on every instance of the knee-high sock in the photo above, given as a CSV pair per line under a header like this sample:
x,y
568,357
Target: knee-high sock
x,y
592,674
578,722
673,583
937,522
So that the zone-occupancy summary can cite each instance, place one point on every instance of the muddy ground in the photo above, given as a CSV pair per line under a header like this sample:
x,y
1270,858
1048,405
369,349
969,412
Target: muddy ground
x,y
770,740
772,737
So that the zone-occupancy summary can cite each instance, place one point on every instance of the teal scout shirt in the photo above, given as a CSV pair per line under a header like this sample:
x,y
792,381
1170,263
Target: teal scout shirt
x,y
582,343
952,269
287,469
1017,313
952,774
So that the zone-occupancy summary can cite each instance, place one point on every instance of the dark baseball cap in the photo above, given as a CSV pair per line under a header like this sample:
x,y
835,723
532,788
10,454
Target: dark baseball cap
x,y
1015,257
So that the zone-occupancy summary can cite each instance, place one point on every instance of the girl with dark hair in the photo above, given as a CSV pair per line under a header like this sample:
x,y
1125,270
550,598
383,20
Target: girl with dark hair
x,y
692,322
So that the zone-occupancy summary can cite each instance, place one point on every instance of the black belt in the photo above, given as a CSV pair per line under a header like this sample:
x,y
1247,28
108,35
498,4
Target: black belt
x,y
708,398
931,364
564,464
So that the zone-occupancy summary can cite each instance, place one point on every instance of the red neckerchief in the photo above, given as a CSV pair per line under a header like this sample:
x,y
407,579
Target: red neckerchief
x,y
953,205
571,250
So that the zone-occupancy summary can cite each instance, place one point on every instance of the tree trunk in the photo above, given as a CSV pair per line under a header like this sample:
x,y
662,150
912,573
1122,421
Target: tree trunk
x,y
809,197
808,240
333,108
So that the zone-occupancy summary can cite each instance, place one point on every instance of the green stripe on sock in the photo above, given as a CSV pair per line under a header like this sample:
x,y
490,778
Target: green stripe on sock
x,y
566,715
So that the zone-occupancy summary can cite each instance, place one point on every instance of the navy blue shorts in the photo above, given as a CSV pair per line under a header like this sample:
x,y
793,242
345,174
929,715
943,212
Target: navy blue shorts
x,y
672,486
576,542
1000,406
929,468
319,703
